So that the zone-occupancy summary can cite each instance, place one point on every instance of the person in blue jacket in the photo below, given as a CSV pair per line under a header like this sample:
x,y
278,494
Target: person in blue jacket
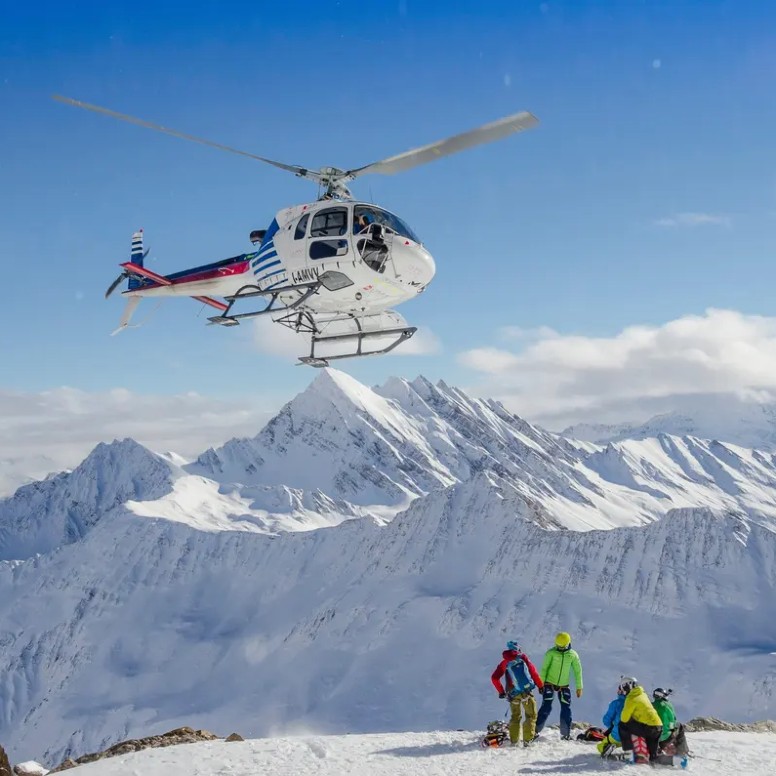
x,y
611,721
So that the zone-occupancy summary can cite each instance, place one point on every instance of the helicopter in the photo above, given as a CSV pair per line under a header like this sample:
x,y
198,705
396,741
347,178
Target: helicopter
x,y
332,269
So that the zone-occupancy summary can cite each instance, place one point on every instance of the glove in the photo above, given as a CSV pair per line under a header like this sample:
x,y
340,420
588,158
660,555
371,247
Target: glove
x,y
579,692
502,695
540,689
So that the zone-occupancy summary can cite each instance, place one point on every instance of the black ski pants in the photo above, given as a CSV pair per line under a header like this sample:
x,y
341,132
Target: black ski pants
x,y
650,733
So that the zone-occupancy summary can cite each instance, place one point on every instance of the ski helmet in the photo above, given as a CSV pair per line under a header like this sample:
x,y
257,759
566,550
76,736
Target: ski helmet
x,y
513,646
563,641
627,683
660,693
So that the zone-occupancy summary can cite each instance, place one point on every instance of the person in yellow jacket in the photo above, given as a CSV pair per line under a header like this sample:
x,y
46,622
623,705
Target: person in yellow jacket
x,y
639,718
559,662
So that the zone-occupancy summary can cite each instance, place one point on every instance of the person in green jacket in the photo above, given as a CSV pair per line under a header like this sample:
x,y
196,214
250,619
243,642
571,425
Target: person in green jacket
x,y
672,738
555,672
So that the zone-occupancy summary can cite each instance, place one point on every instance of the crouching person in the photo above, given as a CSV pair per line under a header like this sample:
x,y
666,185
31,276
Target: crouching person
x,y
611,720
640,725
673,740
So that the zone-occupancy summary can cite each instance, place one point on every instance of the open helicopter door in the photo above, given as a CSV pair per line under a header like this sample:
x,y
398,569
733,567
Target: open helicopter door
x,y
341,337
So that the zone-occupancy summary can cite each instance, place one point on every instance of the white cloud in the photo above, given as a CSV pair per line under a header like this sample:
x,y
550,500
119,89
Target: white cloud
x,y
522,334
56,429
422,343
694,219
560,379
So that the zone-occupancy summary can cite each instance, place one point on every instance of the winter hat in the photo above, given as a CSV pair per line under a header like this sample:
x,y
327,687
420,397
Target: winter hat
x,y
513,646
660,693
563,641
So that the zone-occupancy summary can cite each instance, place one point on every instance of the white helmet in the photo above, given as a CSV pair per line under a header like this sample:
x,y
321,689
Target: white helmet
x,y
627,683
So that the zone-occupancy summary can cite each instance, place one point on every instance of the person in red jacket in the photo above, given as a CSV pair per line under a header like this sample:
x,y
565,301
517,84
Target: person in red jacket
x,y
520,677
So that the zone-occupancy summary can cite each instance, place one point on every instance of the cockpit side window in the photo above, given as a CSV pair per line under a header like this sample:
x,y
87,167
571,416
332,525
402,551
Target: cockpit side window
x,y
330,223
364,215
301,227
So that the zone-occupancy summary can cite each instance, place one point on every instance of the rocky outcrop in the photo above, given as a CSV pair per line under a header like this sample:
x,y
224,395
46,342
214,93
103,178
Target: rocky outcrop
x,y
702,724
5,766
233,737
29,768
182,735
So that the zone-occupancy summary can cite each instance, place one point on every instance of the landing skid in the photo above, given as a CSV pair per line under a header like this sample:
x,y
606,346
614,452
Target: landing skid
x,y
251,292
398,334
331,281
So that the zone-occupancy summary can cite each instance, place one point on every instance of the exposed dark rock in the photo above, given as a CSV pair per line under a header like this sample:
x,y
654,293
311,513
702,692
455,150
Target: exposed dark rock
x,y
700,724
234,737
5,766
182,735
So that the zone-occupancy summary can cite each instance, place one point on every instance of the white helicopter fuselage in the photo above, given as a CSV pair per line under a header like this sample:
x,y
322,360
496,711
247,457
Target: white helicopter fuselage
x,y
304,242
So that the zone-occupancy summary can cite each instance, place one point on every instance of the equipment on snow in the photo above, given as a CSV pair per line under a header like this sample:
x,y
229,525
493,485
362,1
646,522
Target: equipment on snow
x,y
592,734
497,735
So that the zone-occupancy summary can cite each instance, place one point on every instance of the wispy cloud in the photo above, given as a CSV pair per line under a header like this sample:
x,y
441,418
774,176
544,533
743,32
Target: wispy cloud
x,y
54,430
695,219
560,379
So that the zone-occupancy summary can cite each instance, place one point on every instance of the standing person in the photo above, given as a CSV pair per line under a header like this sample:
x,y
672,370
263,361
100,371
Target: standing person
x,y
639,720
558,663
521,677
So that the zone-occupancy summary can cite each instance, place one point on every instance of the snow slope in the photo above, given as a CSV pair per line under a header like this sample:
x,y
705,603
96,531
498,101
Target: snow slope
x,y
143,626
433,754
359,563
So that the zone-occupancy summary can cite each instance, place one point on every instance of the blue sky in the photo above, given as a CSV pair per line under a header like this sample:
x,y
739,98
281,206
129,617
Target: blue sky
x,y
649,112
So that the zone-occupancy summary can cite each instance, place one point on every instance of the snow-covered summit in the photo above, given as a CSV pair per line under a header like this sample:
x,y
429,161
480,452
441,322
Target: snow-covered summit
x,y
44,515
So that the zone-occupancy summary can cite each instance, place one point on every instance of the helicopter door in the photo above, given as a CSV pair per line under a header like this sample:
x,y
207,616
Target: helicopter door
x,y
328,234
298,250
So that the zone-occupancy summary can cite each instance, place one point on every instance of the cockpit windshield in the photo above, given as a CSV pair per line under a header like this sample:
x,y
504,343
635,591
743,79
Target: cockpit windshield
x,y
364,215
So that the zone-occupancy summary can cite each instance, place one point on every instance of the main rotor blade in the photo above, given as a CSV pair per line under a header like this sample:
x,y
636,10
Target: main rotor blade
x,y
150,125
487,133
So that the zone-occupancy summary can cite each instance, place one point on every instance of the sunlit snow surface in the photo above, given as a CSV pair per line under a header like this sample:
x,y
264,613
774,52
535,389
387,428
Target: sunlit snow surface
x,y
358,565
430,754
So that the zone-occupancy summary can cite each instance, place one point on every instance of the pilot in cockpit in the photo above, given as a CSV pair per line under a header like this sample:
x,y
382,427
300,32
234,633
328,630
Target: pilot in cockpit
x,y
361,222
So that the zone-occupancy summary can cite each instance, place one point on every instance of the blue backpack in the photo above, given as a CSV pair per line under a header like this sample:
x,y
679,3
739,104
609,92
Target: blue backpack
x,y
519,678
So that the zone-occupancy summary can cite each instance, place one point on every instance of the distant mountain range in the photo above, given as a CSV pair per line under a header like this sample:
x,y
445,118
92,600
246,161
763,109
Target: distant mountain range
x,y
724,417
359,563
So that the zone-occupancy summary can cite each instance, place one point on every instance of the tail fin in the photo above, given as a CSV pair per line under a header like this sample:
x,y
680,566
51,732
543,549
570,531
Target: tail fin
x,y
136,257
129,310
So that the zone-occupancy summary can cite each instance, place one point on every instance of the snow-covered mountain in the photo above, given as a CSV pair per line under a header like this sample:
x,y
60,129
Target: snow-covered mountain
x,y
140,593
725,417
378,449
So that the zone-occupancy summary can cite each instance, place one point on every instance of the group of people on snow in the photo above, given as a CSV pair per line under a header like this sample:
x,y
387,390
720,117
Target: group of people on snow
x,y
647,728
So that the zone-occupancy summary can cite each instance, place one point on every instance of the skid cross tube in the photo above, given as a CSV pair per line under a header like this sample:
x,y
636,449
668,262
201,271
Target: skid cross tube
x,y
225,319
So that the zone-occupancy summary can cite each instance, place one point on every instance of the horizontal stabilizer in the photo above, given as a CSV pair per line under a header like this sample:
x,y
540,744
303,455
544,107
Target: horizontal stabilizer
x,y
137,269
